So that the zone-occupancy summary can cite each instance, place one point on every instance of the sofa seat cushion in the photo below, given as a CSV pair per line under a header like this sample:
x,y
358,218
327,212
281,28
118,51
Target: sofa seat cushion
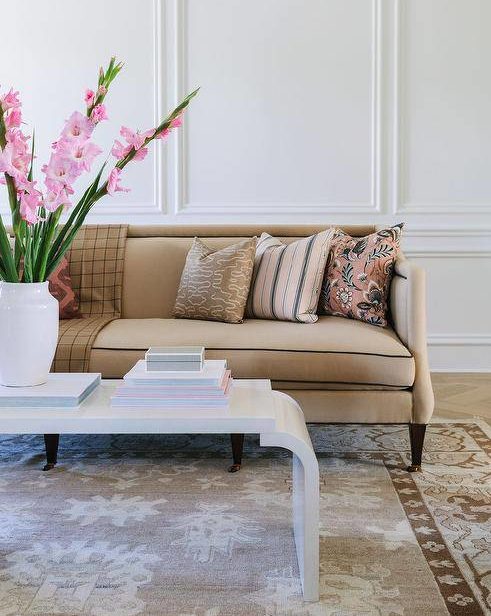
x,y
333,350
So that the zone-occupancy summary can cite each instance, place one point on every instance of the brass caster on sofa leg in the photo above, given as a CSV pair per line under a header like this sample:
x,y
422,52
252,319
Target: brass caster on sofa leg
x,y
234,468
417,436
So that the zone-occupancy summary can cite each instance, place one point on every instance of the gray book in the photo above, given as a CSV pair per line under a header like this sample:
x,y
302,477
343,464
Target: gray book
x,y
174,354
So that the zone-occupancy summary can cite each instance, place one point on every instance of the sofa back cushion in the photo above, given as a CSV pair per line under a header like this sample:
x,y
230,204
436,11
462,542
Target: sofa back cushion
x,y
155,258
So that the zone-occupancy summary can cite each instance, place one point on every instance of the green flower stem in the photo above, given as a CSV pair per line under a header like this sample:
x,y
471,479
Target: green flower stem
x,y
161,127
52,223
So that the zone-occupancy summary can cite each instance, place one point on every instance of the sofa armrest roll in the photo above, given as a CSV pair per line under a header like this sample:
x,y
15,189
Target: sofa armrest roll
x,y
408,309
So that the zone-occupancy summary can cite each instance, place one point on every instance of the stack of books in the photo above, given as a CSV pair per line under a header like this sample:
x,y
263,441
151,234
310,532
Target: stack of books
x,y
207,388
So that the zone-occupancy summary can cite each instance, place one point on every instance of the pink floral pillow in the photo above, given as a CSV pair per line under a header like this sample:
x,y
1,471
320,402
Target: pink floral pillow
x,y
358,274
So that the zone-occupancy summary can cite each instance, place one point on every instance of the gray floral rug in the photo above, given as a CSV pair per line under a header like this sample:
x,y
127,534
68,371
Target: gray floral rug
x,y
130,525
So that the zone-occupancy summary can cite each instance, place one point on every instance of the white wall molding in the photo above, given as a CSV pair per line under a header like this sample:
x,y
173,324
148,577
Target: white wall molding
x,y
177,169
447,243
459,352
400,202
459,340
112,208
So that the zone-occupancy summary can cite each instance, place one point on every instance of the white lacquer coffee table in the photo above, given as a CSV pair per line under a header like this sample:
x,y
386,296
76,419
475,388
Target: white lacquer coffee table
x,y
254,409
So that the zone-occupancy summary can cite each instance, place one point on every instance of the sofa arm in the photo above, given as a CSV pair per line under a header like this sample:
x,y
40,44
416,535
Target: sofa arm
x,y
408,309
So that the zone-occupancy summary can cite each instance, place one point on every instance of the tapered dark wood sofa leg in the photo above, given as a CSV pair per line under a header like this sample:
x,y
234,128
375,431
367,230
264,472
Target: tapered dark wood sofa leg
x,y
237,448
51,442
416,436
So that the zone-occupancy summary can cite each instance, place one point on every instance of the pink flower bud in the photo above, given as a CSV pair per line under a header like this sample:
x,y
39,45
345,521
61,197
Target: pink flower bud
x,y
98,114
89,97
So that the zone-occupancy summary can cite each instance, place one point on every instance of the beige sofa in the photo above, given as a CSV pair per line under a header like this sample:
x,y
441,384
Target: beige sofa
x,y
339,370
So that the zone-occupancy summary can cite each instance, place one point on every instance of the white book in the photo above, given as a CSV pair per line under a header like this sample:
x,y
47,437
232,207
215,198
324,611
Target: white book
x,y
64,390
212,374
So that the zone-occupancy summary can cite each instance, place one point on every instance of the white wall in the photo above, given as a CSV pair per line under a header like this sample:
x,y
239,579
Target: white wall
x,y
339,111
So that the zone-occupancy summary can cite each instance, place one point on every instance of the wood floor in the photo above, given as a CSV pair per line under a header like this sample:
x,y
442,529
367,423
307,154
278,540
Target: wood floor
x,y
461,395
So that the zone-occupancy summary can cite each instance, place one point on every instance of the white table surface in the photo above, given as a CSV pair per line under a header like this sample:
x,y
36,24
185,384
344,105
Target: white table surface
x,y
251,410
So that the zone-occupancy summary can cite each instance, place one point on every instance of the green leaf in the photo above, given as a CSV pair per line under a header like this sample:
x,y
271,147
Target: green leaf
x,y
29,176
9,273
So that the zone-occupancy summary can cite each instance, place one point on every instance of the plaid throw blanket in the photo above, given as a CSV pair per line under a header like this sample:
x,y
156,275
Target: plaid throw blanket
x,y
96,268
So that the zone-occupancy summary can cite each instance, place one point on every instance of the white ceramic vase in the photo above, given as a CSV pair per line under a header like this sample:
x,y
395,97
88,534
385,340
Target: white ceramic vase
x,y
28,333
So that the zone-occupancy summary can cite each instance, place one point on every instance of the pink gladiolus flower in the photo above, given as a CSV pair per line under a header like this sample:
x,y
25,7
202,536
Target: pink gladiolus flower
x,y
113,185
101,91
18,141
176,122
60,172
78,126
119,150
10,100
54,199
86,154
15,157
13,119
140,154
22,184
98,114
30,187
6,156
28,213
135,139
82,154
163,133
29,203
89,97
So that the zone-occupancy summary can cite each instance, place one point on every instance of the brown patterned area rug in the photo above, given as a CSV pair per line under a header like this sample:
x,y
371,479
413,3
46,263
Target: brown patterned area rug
x,y
130,525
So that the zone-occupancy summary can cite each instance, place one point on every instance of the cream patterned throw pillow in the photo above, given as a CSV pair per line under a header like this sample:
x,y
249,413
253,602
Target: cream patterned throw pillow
x,y
287,278
215,284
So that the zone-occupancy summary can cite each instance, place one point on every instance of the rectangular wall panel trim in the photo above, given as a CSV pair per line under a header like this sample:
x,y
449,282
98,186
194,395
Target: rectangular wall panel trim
x,y
177,172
